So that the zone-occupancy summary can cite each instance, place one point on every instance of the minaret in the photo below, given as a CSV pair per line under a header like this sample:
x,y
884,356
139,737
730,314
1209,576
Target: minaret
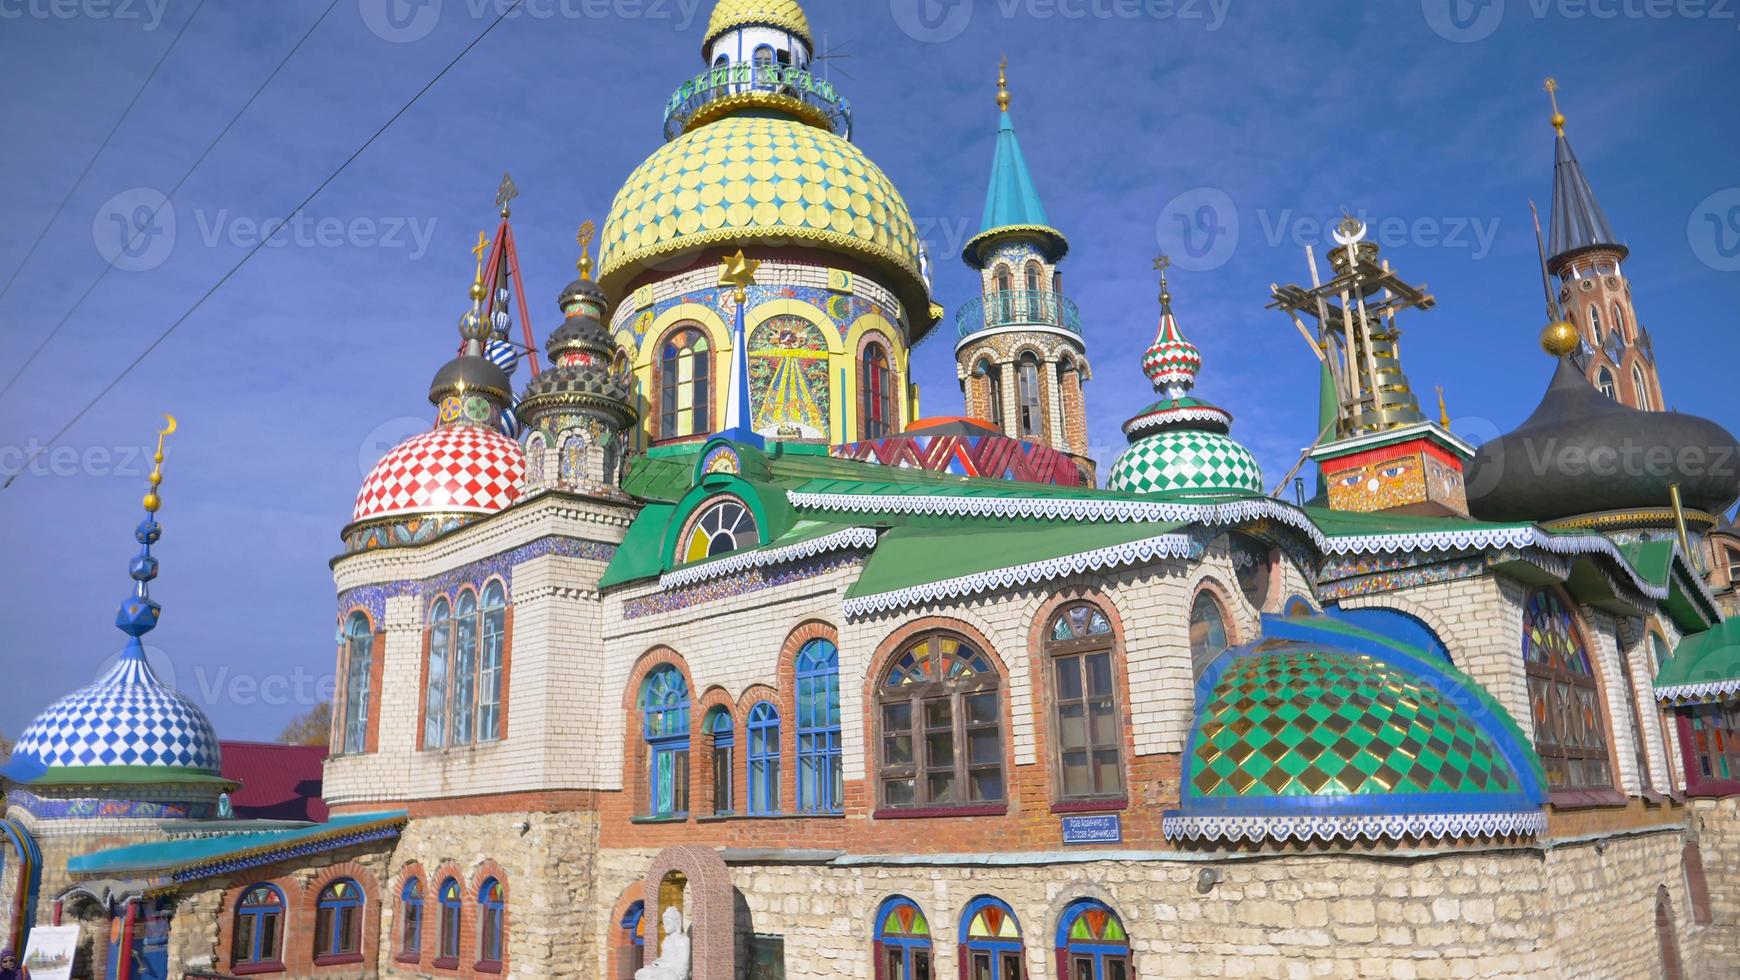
x,y
1020,356
1588,261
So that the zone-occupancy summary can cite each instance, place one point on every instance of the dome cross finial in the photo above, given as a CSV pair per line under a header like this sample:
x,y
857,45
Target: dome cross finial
x,y
1558,119
584,238
505,194
1003,97
1162,262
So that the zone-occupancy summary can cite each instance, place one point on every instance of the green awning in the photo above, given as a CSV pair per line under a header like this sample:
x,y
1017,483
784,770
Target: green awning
x,y
1705,667
192,858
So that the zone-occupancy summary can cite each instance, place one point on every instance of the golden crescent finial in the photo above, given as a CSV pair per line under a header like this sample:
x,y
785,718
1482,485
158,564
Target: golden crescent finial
x,y
152,500
1558,119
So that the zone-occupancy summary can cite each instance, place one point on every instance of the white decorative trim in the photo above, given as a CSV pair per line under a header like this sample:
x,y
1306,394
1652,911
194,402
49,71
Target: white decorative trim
x,y
852,537
1706,692
1390,437
1306,827
1167,416
1134,552
1234,512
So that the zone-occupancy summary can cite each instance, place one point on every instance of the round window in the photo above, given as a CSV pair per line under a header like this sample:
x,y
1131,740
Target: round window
x,y
722,528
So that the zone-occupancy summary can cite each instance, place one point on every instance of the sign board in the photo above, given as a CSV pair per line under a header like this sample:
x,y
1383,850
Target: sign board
x,y
1103,828
49,956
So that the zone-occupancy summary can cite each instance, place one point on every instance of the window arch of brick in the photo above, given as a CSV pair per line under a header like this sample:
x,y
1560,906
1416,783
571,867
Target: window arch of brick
x,y
1213,627
490,911
625,952
1567,699
258,926
754,697
887,401
636,748
409,938
357,709
1047,657
801,732
715,703
368,923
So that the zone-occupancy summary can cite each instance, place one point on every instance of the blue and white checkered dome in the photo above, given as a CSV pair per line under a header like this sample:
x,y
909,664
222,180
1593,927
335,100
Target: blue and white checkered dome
x,y
127,719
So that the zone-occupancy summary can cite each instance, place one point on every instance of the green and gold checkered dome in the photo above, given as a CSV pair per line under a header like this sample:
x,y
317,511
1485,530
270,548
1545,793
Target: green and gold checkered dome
x,y
1187,462
1300,740
760,179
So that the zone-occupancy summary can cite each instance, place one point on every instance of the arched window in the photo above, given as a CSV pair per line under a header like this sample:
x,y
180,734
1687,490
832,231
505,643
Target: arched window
x,y
1027,383
993,376
1662,653
717,725
1033,293
338,921
1604,382
440,662
1595,324
1618,319
571,459
1638,746
763,759
820,778
461,712
633,943
902,946
1091,943
1089,737
1570,735
722,528
1645,400
721,61
664,705
1005,296
259,931
763,55
992,937
1207,631
359,645
535,459
489,670
1667,938
1253,562
685,373
491,915
940,726
448,956
411,919
878,388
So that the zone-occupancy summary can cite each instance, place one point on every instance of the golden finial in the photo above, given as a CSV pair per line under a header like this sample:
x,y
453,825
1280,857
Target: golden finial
x,y
477,290
584,237
1163,262
152,500
1559,338
1443,413
1553,94
1003,84
739,272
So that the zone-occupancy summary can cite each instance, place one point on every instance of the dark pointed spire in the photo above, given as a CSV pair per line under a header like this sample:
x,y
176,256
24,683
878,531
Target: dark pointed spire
x,y
1578,222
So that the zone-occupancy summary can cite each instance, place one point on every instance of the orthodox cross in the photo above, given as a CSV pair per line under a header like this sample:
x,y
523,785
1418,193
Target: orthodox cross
x,y
505,194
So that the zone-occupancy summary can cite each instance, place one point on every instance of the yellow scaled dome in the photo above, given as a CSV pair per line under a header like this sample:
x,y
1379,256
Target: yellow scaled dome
x,y
746,179
784,14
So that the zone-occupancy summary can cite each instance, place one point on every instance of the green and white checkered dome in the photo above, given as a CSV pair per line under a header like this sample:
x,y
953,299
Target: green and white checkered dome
x,y
1186,462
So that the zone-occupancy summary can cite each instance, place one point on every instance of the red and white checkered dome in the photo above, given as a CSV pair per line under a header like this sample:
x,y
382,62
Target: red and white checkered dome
x,y
453,469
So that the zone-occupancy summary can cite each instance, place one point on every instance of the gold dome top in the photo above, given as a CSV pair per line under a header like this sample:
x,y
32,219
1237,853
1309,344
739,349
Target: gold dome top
x,y
1559,338
786,15
742,180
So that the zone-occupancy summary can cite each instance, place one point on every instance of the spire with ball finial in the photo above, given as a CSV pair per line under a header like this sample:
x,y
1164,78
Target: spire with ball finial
x,y
1172,362
139,613
1003,98
1558,119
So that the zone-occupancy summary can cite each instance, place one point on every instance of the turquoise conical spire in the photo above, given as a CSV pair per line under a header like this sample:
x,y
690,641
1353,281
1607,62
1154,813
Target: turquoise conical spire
x,y
1012,202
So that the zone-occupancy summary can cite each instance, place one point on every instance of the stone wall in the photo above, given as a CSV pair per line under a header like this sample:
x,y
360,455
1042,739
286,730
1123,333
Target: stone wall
x,y
1718,826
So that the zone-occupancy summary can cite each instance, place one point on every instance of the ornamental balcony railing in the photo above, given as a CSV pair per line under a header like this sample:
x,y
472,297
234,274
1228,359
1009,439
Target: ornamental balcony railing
x,y
1019,308
815,97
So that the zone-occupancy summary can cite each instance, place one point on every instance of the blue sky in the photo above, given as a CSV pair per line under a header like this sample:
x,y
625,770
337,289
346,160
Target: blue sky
x,y
315,357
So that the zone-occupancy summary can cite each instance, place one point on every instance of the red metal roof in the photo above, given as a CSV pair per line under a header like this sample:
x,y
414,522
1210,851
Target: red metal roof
x,y
279,782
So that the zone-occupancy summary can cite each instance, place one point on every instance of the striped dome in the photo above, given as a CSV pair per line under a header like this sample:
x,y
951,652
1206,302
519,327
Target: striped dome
x,y
128,719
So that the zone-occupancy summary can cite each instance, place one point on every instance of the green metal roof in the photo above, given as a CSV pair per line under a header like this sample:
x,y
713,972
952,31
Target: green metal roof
x,y
194,857
1705,667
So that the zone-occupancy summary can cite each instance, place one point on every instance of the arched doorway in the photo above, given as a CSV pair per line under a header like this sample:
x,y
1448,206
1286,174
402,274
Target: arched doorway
x,y
1666,937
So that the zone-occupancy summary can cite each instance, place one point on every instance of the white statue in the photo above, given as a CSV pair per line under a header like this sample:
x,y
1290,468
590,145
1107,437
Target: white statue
x,y
673,961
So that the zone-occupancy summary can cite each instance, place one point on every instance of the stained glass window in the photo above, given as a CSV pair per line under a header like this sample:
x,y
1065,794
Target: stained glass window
x,y
1207,631
338,920
821,781
1715,753
877,386
723,528
450,906
1092,941
1570,735
1088,736
685,370
718,725
259,925
902,941
491,913
411,918
789,391
664,705
940,726
992,938
763,759
359,644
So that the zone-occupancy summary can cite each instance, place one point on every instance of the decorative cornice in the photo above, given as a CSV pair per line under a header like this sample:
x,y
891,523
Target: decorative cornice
x,y
852,537
1308,827
1174,416
1135,552
1685,695
1652,516
732,104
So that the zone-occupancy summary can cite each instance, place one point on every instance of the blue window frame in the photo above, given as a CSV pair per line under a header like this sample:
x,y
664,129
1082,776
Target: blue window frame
x,y
359,643
821,781
1091,943
338,920
491,915
411,918
259,926
902,946
450,906
634,937
718,725
664,705
992,937
763,759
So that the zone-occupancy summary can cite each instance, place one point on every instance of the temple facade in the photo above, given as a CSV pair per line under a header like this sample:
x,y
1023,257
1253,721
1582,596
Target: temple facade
x,y
700,652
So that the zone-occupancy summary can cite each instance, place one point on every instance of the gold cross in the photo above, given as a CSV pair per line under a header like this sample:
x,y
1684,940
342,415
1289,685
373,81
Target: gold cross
x,y
482,244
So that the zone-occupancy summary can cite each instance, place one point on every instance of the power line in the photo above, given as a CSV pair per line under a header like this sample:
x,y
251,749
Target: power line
x,y
79,181
152,221
261,243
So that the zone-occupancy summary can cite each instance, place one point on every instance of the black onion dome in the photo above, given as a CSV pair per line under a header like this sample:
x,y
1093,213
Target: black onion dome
x,y
581,289
580,333
1584,453
575,379
470,373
